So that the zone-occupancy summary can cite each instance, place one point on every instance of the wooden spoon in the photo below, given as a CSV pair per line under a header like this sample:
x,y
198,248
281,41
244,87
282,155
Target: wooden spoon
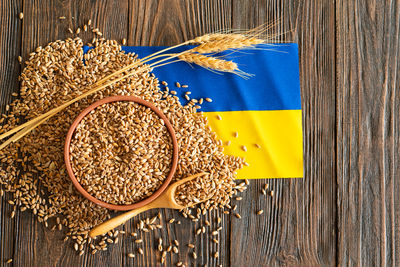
x,y
165,200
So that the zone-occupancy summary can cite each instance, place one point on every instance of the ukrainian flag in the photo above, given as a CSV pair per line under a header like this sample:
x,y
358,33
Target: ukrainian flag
x,y
265,110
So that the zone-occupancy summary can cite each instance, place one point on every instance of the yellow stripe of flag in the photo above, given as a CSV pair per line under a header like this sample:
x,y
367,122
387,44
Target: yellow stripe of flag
x,y
278,132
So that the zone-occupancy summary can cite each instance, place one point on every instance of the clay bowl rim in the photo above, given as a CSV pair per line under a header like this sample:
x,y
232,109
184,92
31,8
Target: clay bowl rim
x,y
71,174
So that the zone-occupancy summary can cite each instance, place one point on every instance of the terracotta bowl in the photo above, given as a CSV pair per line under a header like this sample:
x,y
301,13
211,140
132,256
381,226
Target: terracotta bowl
x,y
68,162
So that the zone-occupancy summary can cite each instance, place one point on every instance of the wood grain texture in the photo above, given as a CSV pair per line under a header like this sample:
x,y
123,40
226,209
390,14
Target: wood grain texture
x,y
34,244
169,23
346,211
368,132
299,223
10,49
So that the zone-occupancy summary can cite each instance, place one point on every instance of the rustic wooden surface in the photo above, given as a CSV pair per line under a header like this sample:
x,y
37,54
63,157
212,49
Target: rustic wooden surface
x,y
346,211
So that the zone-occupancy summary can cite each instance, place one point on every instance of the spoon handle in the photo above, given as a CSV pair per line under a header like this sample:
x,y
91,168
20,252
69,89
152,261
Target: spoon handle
x,y
116,221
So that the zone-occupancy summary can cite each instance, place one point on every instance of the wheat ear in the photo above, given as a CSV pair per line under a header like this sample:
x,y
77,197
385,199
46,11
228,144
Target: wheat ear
x,y
231,41
212,63
209,62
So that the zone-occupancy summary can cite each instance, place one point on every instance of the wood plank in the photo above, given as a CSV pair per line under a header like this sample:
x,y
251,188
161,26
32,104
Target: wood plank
x,y
36,245
298,224
169,23
368,132
10,49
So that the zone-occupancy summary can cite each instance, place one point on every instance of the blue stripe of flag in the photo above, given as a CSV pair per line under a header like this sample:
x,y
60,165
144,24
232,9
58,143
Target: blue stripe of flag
x,y
275,86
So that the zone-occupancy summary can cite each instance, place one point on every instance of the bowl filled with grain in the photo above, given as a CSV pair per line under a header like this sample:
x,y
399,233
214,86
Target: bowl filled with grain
x,y
121,152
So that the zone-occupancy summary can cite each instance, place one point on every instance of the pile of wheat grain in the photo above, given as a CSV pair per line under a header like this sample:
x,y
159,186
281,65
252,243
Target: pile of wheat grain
x,y
121,152
59,72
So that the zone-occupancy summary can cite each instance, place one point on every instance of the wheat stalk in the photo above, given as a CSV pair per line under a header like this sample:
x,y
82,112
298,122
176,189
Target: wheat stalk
x,y
209,43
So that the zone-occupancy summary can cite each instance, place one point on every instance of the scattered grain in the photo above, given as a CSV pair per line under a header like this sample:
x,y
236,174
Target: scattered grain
x,y
21,15
131,255
264,192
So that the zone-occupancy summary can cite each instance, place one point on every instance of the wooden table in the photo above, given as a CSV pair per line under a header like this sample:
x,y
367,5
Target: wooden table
x,y
346,211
